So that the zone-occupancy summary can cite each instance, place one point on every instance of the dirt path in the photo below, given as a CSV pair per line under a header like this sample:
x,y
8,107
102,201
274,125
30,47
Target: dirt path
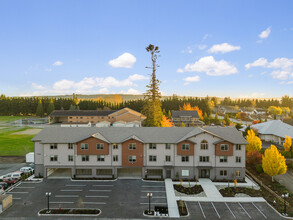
x,y
28,131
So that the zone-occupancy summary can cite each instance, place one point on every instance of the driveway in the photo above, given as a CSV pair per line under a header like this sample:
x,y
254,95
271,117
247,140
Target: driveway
x,y
286,180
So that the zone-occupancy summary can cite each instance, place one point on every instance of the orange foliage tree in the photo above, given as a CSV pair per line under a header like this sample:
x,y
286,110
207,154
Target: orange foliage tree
x,y
166,122
188,107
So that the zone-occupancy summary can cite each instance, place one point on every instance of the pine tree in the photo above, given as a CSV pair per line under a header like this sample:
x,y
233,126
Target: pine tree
x,y
51,106
216,120
206,119
227,120
169,114
40,110
152,108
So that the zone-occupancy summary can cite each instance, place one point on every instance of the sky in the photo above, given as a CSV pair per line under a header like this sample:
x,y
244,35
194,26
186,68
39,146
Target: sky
x,y
240,49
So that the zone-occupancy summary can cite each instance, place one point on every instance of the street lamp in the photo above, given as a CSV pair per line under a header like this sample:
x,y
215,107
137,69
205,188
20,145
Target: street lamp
x,y
149,195
48,194
285,196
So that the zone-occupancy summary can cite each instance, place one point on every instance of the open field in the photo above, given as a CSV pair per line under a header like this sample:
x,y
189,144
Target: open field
x,y
5,119
12,144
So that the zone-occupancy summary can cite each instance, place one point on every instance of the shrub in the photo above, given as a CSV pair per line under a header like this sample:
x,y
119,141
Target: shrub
x,y
258,168
254,158
287,154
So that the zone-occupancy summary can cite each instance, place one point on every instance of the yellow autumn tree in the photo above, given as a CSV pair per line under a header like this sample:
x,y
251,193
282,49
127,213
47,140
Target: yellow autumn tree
x,y
188,107
254,142
166,122
288,143
273,163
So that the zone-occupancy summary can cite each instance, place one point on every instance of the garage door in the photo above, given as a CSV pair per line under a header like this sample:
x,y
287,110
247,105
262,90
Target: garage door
x,y
58,173
132,173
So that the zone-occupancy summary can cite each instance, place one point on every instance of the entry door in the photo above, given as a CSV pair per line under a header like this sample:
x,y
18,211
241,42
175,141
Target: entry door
x,y
168,173
205,173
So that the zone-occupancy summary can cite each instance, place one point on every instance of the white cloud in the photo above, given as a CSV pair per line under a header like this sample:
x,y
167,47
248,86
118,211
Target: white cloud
x,y
137,77
57,63
252,95
37,86
259,62
211,67
190,79
265,34
180,70
223,48
131,91
125,60
286,82
190,49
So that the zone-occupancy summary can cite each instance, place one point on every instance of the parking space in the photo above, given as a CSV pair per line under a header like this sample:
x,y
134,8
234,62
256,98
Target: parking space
x,y
231,210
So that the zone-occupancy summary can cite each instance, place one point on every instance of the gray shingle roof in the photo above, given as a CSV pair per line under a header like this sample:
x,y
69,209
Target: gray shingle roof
x,y
177,114
274,127
146,134
60,113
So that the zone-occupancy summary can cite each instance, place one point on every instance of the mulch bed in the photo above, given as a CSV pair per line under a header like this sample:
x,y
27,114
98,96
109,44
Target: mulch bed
x,y
72,211
230,181
188,190
231,191
182,208
152,179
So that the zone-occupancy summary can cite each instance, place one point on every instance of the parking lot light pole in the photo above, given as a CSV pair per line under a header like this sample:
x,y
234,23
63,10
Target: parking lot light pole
x,y
285,195
149,195
48,194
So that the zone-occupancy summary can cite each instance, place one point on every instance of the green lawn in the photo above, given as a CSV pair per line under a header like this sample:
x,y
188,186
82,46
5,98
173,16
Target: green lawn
x,y
5,119
15,144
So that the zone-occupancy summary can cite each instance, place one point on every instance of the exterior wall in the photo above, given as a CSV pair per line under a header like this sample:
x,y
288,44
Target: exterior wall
x,y
138,153
127,117
231,173
229,152
62,152
160,153
39,170
92,147
185,152
39,153
117,152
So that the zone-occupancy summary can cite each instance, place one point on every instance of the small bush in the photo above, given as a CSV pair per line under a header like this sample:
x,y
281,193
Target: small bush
x,y
258,168
287,154
254,157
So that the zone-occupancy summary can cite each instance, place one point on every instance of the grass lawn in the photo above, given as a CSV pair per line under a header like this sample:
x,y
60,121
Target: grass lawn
x,y
15,144
5,119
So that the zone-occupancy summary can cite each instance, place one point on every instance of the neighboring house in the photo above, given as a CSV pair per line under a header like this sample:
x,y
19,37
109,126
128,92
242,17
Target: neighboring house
x,y
103,124
152,152
226,110
76,124
95,116
189,118
273,131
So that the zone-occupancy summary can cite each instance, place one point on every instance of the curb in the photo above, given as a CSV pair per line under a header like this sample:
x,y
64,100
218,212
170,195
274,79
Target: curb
x,y
93,180
153,216
153,181
278,212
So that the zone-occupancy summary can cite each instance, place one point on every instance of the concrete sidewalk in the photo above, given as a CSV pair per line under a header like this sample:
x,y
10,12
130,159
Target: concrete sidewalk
x,y
210,188
222,199
171,199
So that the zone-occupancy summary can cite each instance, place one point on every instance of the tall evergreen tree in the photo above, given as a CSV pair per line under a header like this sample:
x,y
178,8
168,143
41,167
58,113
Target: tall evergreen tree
x,y
152,108
51,107
40,110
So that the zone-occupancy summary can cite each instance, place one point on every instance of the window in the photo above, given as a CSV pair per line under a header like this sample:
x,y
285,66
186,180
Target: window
x,y
238,146
238,159
223,172
184,158
223,159
115,146
185,172
152,158
132,159
132,146
84,146
224,147
85,158
83,172
168,146
238,173
70,157
54,158
101,158
115,158
70,146
204,145
101,172
204,159
100,146
81,117
185,146
168,158
152,146
53,146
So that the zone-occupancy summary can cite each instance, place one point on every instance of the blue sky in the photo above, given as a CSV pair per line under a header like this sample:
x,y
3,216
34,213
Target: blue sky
x,y
215,48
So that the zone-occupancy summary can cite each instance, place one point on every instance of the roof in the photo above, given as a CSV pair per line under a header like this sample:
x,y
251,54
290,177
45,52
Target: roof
x,y
145,134
58,113
274,127
177,114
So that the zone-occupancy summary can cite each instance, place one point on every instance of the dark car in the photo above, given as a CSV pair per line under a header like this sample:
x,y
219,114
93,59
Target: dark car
x,y
9,180
3,185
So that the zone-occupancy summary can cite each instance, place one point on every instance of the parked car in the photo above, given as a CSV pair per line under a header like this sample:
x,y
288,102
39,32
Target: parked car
x,y
9,180
17,175
26,170
6,176
32,165
3,185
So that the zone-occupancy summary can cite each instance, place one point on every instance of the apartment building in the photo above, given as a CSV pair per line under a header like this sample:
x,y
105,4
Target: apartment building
x,y
188,118
176,152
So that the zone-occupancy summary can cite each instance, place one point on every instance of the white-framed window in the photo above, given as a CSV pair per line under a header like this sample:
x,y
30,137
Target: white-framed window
x,y
53,146
100,146
238,159
115,146
223,159
70,146
204,159
223,172
132,159
238,173
132,146
85,158
84,146
204,145
152,146
238,146
54,158
152,158
168,146
224,147
101,158
185,146
185,172
168,158
115,158
70,157
184,158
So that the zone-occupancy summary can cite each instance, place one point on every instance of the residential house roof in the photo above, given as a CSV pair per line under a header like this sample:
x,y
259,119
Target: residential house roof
x,y
274,127
60,113
178,114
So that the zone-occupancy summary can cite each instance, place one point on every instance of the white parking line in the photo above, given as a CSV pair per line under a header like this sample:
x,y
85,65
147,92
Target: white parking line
x,y
97,196
25,187
201,210
95,203
69,196
259,210
244,210
100,190
155,203
230,210
62,202
216,210
75,185
103,185
17,192
71,190
151,191
154,197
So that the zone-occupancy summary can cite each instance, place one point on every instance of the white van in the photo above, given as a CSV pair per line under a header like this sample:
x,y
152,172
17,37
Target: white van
x,y
26,169
16,175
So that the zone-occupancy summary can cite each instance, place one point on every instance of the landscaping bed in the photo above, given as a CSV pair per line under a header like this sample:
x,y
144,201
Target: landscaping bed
x,y
70,212
231,191
153,179
230,181
188,190
182,208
